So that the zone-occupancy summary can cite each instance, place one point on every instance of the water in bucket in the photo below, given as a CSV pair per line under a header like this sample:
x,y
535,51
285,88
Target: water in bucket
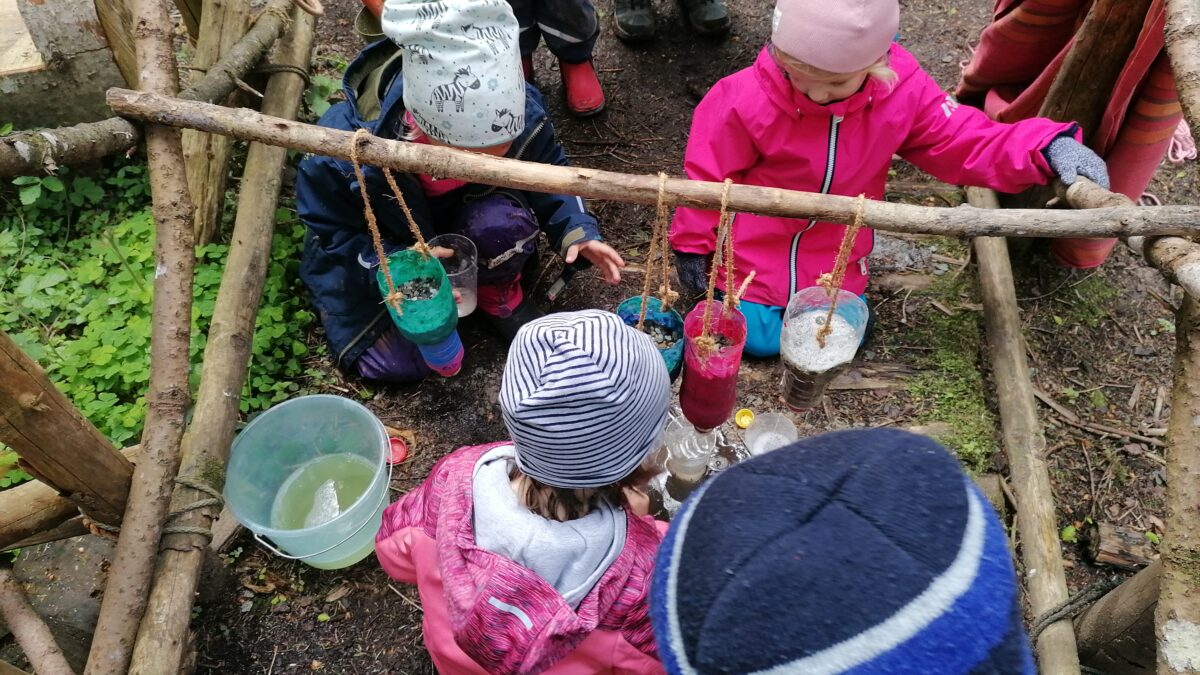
x,y
309,475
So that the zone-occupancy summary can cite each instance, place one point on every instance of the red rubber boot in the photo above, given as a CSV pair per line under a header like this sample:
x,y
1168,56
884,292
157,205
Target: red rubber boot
x,y
583,93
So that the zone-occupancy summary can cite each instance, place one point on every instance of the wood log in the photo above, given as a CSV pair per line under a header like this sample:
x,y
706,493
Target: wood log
x,y
1182,35
62,48
117,22
37,152
643,189
49,433
193,13
7,668
168,394
160,640
1177,258
1102,46
1025,446
1177,618
27,627
222,24
1121,547
1116,635
35,507
71,527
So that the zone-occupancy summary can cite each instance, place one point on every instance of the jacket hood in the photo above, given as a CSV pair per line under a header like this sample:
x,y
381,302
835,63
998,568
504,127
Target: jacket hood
x,y
370,73
488,594
793,103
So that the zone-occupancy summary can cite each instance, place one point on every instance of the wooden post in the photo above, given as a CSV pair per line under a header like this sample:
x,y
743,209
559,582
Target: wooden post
x,y
1025,445
160,640
36,507
643,189
36,152
117,22
1116,635
168,395
1102,46
192,12
31,632
1178,613
49,433
1183,47
222,24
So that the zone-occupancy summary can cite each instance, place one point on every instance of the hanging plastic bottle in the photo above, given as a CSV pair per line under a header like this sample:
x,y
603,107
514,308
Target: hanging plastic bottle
x,y
712,359
807,365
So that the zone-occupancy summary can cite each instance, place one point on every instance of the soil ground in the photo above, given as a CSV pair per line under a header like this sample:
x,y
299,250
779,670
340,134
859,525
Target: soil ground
x,y
1100,344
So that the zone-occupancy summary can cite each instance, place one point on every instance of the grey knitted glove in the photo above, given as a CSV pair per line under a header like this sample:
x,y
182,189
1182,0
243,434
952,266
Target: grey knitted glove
x,y
693,270
1070,159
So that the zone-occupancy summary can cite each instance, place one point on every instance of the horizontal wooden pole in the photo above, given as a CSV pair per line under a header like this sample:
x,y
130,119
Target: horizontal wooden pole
x,y
643,189
38,152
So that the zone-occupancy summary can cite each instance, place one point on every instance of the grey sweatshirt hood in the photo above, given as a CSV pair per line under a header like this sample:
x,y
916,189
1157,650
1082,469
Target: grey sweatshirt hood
x,y
571,556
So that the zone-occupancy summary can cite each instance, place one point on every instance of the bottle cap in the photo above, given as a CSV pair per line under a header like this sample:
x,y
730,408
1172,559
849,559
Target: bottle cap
x,y
743,418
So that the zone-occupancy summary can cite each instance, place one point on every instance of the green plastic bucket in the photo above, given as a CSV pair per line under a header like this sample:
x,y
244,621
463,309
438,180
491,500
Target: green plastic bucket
x,y
429,315
309,478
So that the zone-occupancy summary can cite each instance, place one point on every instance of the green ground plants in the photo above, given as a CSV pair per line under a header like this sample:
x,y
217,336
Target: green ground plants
x,y
76,295
951,382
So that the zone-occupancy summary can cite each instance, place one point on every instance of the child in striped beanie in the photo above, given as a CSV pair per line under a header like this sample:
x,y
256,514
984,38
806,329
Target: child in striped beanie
x,y
535,555
866,551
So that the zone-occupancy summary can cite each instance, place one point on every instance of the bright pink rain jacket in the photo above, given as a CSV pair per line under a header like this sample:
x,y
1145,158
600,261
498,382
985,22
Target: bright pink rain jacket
x,y
485,613
755,128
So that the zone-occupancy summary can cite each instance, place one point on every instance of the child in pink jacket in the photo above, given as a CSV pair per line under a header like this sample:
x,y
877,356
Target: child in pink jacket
x,y
823,109
535,555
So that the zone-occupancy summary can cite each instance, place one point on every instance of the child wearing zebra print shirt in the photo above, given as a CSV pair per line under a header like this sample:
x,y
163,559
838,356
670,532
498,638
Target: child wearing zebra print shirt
x,y
535,554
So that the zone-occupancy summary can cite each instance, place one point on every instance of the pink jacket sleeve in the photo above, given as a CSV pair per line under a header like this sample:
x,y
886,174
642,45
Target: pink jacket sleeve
x,y
719,147
961,145
404,520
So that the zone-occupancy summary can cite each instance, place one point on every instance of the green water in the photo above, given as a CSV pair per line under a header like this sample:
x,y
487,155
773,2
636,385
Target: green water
x,y
351,476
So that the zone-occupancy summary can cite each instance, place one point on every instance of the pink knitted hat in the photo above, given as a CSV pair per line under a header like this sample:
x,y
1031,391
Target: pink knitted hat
x,y
840,36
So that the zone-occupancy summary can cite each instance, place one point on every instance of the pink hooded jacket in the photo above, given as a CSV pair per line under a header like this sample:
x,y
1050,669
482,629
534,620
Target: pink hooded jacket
x,y
755,128
485,613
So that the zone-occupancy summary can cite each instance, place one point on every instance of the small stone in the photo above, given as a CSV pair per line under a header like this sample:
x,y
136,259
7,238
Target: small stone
x,y
1143,351
247,606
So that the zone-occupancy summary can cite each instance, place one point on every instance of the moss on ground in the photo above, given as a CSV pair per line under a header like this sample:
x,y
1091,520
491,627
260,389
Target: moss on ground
x,y
951,384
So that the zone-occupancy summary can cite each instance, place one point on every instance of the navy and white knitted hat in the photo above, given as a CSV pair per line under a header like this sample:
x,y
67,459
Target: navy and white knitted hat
x,y
866,551
584,397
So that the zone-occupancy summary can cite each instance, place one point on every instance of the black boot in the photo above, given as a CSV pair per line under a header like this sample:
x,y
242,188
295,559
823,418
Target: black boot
x,y
634,20
708,17
521,315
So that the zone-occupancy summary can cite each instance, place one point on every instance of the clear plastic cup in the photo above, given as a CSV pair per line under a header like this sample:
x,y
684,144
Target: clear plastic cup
x,y
462,268
770,431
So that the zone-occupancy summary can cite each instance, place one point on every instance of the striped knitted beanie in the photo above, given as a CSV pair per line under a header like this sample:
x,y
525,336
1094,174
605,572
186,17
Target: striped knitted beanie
x,y
863,551
584,397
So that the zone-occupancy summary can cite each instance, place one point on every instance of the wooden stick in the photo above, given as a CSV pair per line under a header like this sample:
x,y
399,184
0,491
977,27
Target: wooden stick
x,y
1102,45
1117,546
1182,36
31,632
62,446
36,152
1178,614
222,24
1116,635
35,507
168,395
117,24
643,189
1177,258
1025,445
160,643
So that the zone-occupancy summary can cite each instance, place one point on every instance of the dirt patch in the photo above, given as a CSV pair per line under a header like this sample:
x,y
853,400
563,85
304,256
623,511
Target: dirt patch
x,y
1095,339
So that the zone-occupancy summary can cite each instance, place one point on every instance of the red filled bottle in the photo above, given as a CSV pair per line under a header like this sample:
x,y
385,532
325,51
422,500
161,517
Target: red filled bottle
x,y
708,393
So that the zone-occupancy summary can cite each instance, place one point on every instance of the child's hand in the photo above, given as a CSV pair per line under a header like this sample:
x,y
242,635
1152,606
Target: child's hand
x,y
636,501
600,254
1070,159
443,252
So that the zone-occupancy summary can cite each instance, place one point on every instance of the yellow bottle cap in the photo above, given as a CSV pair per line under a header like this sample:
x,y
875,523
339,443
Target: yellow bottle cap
x,y
743,418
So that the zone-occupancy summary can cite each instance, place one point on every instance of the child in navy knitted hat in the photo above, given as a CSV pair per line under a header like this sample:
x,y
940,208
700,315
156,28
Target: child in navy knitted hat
x,y
866,551
534,555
